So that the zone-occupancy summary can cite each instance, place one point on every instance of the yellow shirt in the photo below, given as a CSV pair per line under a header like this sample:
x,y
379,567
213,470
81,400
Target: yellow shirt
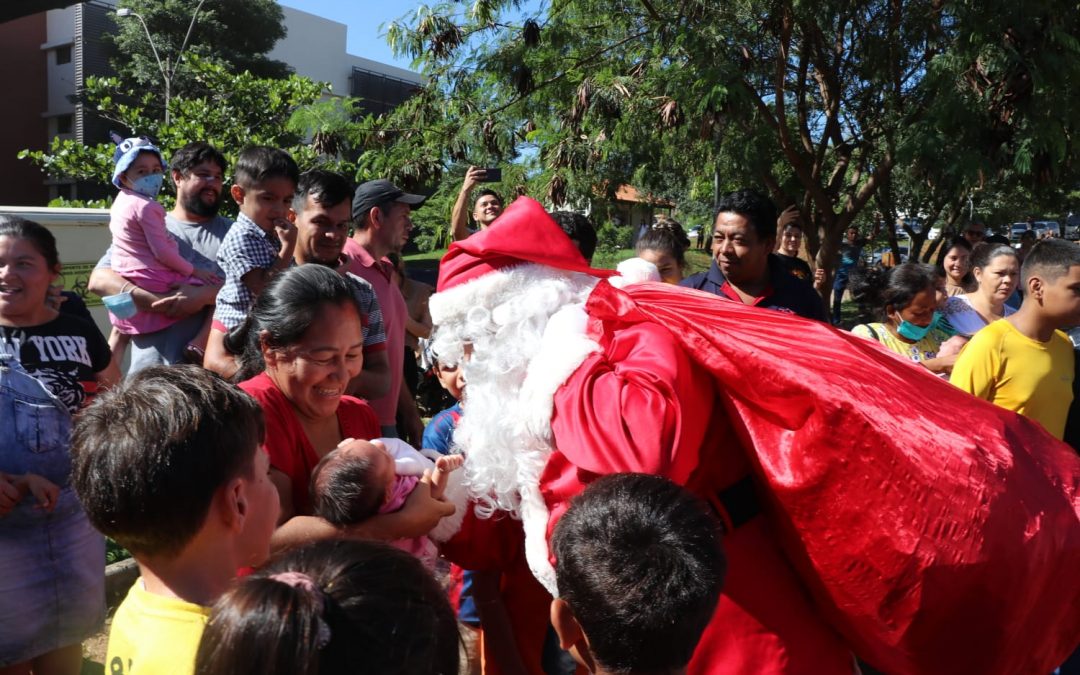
x,y
1011,370
923,350
154,635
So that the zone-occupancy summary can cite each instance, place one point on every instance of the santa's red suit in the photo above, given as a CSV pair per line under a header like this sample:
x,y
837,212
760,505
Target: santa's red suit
x,y
869,506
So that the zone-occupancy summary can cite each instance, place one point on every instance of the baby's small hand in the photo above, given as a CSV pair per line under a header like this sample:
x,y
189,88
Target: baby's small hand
x,y
448,463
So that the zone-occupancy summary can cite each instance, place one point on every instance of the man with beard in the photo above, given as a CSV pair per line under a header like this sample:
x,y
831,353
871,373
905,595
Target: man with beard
x,y
843,533
198,171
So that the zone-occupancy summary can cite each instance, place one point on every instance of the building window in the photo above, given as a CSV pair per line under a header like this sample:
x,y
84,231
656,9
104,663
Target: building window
x,y
63,55
65,124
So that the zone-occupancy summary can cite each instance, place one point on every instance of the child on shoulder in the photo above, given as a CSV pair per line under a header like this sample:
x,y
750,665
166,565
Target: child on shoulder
x,y
167,463
143,250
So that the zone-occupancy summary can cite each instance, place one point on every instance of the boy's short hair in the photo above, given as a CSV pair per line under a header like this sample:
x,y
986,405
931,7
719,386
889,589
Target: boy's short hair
x,y
259,163
484,193
1049,259
326,187
342,489
194,154
578,227
638,560
149,454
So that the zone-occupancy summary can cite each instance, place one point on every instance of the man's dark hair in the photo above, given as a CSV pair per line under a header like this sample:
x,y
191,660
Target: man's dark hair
x,y
325,187
485,192
344,490
259,163
639,563
194,154
579,228
149,454
755,207
1049,259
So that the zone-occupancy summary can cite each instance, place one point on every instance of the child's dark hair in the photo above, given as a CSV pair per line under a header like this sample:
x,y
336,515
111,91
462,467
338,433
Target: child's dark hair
x,y
876,289
325,187
194,154
640,564
579,228
342,490
37,234
333,608
665,236
285,310
259,163
149,454
1050,259
755,207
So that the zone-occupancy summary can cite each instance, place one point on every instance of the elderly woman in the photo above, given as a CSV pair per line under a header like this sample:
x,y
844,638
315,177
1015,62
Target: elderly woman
x,y
905,298
297,350
997,272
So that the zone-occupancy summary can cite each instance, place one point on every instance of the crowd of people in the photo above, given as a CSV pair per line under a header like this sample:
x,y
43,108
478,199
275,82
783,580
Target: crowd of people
x,y
599,492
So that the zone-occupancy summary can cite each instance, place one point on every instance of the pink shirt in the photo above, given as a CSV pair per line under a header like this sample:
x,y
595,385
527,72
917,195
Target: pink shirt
x,y
139,238
378,274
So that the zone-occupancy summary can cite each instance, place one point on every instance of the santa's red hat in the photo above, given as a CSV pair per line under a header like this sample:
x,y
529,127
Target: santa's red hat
x,y
524,233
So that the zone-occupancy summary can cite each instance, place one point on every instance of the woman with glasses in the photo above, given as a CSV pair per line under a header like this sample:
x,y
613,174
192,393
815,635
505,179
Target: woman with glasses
x,y
297,350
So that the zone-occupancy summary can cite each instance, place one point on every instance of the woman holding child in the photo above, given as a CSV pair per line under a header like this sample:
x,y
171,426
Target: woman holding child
x,y
51,560
297,350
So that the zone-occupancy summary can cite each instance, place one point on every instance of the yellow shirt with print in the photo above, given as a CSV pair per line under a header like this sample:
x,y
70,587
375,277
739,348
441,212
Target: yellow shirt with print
x,y
1009,369
154,635
923,350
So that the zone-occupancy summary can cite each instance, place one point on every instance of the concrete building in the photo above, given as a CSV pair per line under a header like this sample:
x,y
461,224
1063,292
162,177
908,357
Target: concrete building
x,y
46,57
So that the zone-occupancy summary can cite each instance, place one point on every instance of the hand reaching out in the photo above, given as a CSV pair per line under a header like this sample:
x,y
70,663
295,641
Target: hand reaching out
x,y
443,466
45,492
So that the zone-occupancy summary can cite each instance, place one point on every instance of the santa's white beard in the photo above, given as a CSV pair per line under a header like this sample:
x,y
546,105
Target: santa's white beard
x,y
505,429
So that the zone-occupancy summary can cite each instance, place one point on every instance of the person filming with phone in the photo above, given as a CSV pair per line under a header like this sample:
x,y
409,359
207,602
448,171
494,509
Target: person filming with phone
x,y
488,205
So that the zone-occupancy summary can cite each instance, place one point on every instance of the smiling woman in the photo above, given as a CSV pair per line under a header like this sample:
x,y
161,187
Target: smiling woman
x,y
297,350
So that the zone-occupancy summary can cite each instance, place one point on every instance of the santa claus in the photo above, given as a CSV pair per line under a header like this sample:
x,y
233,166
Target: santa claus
x,y
869,507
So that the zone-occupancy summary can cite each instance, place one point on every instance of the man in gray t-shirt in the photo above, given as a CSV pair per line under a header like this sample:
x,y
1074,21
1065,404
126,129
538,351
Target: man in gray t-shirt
x,y
198,171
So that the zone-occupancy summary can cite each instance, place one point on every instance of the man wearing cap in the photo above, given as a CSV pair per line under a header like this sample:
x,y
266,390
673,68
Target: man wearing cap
x,y
382,225
840,537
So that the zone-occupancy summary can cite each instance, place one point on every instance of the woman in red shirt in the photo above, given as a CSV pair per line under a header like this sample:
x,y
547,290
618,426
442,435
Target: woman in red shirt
x,y
298,349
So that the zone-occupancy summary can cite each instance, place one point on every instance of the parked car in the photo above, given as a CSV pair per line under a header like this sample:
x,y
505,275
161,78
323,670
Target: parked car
x,y
1045,228
1017,230
1072,226
876,256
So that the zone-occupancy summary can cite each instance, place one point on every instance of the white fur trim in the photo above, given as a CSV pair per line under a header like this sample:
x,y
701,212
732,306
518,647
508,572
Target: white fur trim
x,y
463,297
534,520
634,270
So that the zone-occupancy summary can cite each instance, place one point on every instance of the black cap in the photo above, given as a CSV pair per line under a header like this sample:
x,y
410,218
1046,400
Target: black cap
x,y
375,192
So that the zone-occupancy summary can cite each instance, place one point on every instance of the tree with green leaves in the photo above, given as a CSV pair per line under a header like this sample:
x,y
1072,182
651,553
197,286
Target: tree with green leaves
x,y
232,112
236,34
817,102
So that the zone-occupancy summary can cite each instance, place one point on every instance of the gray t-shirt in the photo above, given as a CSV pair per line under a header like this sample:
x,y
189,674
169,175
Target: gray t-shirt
x,y
198,243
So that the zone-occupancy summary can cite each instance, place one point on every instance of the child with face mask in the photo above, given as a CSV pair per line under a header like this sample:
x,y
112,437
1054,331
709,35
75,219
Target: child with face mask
x,y
143,251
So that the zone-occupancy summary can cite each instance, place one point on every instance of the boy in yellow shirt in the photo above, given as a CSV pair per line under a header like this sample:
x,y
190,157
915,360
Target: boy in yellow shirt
x,y
168,464
1024,362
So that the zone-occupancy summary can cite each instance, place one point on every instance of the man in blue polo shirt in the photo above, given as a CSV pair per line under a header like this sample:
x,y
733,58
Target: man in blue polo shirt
x,y
744,268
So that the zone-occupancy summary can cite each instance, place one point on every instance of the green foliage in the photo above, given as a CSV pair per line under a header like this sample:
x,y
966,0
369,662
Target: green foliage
x,y
611,240
236,34
227,110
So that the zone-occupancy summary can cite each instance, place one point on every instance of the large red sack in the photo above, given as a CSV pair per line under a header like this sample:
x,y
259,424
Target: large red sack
x,y
937,532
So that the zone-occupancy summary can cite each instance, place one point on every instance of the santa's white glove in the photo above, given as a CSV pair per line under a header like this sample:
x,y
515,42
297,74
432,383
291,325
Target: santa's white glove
x,y
632,271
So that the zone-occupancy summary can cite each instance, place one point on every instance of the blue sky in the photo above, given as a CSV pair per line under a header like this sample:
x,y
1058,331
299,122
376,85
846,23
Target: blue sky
x,y
364,18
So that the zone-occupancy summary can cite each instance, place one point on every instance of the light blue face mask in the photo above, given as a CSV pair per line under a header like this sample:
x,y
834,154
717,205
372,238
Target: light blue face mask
x,y
148,186
908,330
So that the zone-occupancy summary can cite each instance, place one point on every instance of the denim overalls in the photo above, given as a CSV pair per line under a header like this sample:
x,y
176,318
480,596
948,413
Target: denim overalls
x,y
52,565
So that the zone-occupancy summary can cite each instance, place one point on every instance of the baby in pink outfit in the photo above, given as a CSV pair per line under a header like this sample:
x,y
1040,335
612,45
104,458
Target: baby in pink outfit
x,y
360,479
